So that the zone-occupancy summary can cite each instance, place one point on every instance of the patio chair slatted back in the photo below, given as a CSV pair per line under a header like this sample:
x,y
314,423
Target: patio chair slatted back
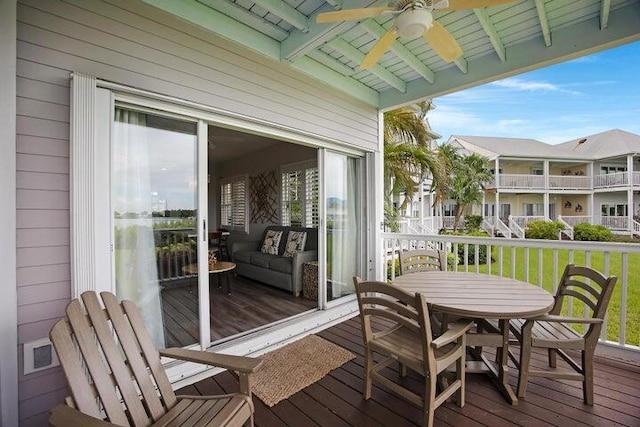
x,y
421,260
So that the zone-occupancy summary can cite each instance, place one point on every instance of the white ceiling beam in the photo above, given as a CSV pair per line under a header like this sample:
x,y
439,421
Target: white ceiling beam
x,y
285,12
462,65
219,23
300,43
331,62
605,10
241,14
490,29
544,22
355,55
401,51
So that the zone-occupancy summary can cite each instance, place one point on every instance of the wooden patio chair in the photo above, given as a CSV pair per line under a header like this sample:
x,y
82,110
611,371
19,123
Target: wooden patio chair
x,y
556,333
116,377
421,260
395,324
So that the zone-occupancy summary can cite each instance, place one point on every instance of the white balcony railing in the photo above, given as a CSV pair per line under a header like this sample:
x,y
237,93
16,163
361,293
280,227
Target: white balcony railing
x,y
610,180
564,182
541,262
520,181
569,182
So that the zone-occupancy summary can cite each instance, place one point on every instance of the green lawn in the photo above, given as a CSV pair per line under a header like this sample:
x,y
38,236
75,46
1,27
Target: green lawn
x,y
632,335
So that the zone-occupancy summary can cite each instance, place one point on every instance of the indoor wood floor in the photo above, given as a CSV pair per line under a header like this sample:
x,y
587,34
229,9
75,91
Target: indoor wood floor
x,y
250,305
336,400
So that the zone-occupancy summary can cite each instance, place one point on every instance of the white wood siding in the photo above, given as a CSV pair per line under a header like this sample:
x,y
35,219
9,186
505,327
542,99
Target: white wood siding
x,y
135,45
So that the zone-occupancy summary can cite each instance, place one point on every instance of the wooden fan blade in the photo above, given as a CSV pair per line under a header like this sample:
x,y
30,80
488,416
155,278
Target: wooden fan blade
x,y
472,4
442,42
352,14
379,49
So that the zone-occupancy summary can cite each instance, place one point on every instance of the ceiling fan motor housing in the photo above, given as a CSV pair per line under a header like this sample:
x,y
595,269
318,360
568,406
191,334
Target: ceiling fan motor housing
x,y
412,23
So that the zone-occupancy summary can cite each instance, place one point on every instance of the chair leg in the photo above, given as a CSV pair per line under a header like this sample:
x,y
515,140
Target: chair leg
x,y
525,358
460,375
587,384
429,399
403,369
368,366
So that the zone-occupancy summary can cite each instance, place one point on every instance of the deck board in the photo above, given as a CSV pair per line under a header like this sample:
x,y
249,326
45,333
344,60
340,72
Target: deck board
x,y
336,400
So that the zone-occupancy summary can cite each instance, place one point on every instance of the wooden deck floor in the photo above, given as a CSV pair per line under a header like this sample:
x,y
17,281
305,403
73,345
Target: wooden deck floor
x,y
336,400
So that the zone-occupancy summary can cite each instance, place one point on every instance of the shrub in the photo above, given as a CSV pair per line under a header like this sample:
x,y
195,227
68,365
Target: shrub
x,y
472,223
547,230
592,233
396,262
471,249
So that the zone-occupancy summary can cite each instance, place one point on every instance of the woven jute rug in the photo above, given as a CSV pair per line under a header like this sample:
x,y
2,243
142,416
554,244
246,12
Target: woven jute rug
x,y
293,367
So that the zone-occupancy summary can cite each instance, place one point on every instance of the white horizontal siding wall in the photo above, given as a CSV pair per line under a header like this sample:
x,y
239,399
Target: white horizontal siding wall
x,y
135,45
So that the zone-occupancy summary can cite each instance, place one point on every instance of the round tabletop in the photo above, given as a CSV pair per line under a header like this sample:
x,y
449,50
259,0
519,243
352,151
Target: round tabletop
x,y
477,295
219,267
222,266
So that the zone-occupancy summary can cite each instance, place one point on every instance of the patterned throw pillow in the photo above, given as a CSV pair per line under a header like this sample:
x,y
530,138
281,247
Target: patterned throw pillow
x,y
271,242
295,243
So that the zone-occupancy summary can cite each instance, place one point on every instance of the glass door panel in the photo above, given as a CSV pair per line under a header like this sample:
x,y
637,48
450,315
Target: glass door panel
x,y
155,195
342,207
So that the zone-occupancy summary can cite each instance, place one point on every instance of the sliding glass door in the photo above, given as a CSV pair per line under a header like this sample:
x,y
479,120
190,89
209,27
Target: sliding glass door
x,y
155,202
344,220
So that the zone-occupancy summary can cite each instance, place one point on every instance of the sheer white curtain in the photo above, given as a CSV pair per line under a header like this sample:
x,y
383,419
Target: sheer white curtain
x,y
343,239
135,257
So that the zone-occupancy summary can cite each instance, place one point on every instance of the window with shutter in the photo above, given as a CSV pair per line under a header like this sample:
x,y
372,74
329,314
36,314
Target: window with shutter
x,y
299,198
233,204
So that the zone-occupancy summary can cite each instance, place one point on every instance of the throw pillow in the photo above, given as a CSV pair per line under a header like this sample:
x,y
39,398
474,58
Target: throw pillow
x,y
271,242
295,243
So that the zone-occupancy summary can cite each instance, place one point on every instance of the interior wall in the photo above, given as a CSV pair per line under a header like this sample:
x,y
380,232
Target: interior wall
x,y
252,164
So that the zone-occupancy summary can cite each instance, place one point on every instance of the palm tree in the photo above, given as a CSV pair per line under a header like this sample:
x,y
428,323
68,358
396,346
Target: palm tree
x,y
470,175
408,157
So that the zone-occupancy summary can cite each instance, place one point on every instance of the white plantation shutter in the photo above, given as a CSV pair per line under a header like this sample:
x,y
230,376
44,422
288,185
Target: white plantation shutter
x,y
225,205
311,198
233,204
238,201
299,198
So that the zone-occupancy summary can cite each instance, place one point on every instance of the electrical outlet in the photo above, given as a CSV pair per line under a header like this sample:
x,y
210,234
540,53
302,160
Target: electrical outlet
x,y
39,355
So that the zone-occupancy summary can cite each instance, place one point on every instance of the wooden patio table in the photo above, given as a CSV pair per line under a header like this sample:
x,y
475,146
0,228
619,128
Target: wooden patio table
x,y
481,296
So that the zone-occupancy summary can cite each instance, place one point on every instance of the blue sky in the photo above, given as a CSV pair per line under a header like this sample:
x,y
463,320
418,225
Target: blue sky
x,y
555,104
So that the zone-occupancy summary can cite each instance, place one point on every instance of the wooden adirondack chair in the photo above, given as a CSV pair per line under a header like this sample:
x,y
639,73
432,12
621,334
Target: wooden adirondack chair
x,y
116,377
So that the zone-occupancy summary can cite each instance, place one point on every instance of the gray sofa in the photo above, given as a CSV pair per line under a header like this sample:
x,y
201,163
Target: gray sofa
x,y
275,270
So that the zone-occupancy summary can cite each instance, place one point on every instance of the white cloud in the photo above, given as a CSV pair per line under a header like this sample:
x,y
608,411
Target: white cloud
x,y
531,86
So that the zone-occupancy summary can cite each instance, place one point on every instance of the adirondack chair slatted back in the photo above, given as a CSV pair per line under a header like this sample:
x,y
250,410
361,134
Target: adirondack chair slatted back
x,y
421,260
119,374
589,287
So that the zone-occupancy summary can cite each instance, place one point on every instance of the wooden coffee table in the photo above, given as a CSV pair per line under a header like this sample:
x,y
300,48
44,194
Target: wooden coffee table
x,y
221,268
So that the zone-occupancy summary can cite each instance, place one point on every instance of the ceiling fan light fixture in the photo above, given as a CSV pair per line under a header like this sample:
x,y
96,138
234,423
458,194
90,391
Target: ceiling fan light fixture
x,y
412,23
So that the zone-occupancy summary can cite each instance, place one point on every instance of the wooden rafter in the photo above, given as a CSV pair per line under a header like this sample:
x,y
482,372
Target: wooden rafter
x,y
490,29
605,8
544,22
355,55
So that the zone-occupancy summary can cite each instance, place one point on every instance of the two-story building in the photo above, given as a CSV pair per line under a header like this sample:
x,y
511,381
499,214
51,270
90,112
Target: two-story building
x,y
593,179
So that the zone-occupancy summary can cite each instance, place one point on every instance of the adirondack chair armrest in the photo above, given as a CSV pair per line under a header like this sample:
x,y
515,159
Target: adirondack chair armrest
x,y
65,416
231,362
454,331
565,319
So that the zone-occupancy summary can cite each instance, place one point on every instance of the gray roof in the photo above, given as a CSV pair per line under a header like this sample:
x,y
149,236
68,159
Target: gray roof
x,y
611,143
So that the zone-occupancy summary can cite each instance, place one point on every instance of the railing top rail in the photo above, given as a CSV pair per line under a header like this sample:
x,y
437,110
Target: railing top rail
x,y
524,243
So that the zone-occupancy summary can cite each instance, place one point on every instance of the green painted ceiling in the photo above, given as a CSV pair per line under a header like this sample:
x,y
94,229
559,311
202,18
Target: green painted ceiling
x,y
497,41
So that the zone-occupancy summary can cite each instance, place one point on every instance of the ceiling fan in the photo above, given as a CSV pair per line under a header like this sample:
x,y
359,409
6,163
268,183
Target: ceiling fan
x,y
413,19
